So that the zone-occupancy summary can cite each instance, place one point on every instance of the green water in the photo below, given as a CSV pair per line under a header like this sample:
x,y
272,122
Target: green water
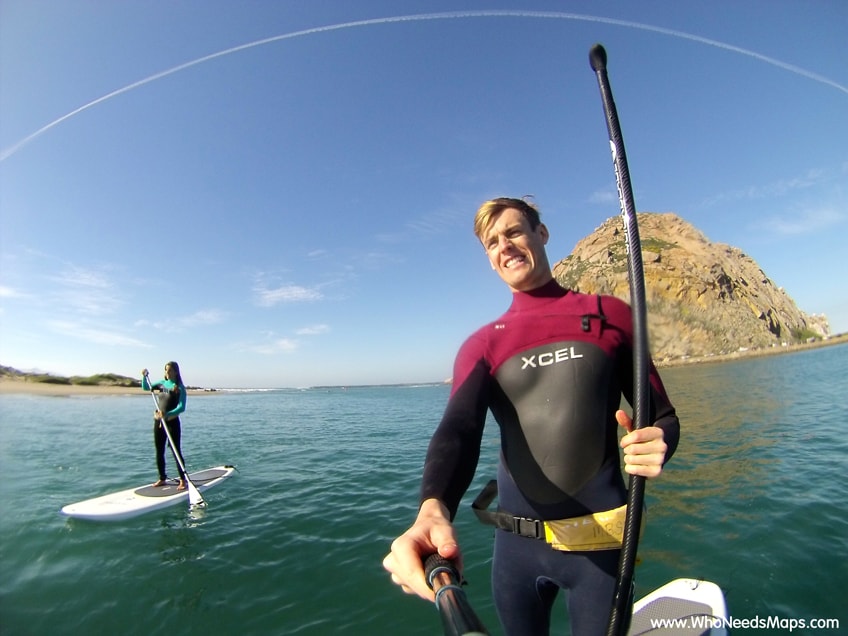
x,y
292,544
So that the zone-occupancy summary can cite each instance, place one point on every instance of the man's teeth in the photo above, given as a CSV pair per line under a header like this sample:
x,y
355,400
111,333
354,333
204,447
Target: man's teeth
x,y
514,261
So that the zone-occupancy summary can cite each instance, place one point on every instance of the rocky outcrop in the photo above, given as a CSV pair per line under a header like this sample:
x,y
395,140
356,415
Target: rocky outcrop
x,y
703,298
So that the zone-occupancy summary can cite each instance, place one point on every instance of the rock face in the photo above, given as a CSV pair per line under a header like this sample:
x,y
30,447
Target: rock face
x,y
703,298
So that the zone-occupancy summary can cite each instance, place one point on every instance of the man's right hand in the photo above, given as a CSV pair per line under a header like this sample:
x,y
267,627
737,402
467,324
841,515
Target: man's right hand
x,y
431,532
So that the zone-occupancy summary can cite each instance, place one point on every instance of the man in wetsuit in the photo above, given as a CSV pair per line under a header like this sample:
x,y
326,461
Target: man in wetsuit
x,y
552,371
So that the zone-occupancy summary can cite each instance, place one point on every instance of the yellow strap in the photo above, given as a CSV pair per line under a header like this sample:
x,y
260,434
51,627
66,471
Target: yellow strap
x,y
598,531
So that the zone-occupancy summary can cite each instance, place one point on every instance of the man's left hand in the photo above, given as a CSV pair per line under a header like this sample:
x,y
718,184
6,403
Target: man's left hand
x,y
644,449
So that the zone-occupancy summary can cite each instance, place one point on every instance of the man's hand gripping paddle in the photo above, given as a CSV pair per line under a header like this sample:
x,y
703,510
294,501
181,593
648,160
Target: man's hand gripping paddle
x,y
457,616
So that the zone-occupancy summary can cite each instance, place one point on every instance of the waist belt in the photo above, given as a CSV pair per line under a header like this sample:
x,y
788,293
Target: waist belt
x,y
596,531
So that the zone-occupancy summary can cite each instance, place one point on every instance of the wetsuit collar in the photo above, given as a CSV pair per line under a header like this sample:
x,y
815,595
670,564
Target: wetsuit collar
x,y
549,291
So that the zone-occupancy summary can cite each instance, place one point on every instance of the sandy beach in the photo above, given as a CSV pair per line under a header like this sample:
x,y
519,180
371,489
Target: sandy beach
x,y
9,385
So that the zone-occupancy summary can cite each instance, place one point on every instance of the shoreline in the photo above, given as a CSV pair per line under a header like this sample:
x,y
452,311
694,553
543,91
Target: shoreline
x,y
15,386
23,386
752,353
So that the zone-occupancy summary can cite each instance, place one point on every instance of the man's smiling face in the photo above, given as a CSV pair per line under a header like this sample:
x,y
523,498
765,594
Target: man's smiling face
x,y
516,252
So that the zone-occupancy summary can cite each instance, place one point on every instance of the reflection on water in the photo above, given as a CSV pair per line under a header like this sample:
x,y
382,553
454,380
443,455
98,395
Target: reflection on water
x,y
727,446
756,476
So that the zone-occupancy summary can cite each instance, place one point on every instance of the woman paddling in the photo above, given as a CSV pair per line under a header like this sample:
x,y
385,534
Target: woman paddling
x,y
172,402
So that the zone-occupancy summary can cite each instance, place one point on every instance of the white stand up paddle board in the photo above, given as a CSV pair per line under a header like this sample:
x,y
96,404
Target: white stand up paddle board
x,y
683,607
137,501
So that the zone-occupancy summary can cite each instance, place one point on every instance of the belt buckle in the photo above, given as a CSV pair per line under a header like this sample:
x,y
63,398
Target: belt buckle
x,y
520,526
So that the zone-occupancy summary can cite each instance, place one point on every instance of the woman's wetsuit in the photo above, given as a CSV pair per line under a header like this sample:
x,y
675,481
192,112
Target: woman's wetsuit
x,y
172,402
552,370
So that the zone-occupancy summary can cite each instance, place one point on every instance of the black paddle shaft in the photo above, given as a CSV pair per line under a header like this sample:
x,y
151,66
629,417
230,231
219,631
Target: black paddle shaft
x,y
457,616
622,601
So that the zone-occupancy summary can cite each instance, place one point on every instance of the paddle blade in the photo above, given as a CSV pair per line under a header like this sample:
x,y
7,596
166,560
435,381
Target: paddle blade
x,y
194,496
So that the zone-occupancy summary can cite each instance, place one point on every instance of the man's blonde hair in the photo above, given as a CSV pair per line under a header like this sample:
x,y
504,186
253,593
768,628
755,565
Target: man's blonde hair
x,y
493,207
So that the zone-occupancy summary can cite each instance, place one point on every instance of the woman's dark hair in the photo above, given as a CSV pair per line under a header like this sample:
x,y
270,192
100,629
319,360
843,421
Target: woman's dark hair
x,y
176,369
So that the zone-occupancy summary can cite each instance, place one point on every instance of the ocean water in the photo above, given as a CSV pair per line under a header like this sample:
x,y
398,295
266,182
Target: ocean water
x,y
754,499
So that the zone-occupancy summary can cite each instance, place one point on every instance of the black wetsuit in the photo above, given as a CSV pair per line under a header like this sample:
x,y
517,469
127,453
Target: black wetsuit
x,y
552,370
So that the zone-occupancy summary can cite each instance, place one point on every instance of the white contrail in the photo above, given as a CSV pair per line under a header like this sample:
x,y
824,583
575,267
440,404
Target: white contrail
x,y
450,15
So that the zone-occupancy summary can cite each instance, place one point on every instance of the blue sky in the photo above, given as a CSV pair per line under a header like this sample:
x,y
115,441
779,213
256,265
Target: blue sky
x,y
280,193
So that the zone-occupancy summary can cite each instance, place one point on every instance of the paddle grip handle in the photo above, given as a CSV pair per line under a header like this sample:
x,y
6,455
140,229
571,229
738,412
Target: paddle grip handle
x,y
458,618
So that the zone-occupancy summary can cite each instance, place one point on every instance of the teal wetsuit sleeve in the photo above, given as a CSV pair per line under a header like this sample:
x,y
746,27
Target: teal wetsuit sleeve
x,y
162,385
